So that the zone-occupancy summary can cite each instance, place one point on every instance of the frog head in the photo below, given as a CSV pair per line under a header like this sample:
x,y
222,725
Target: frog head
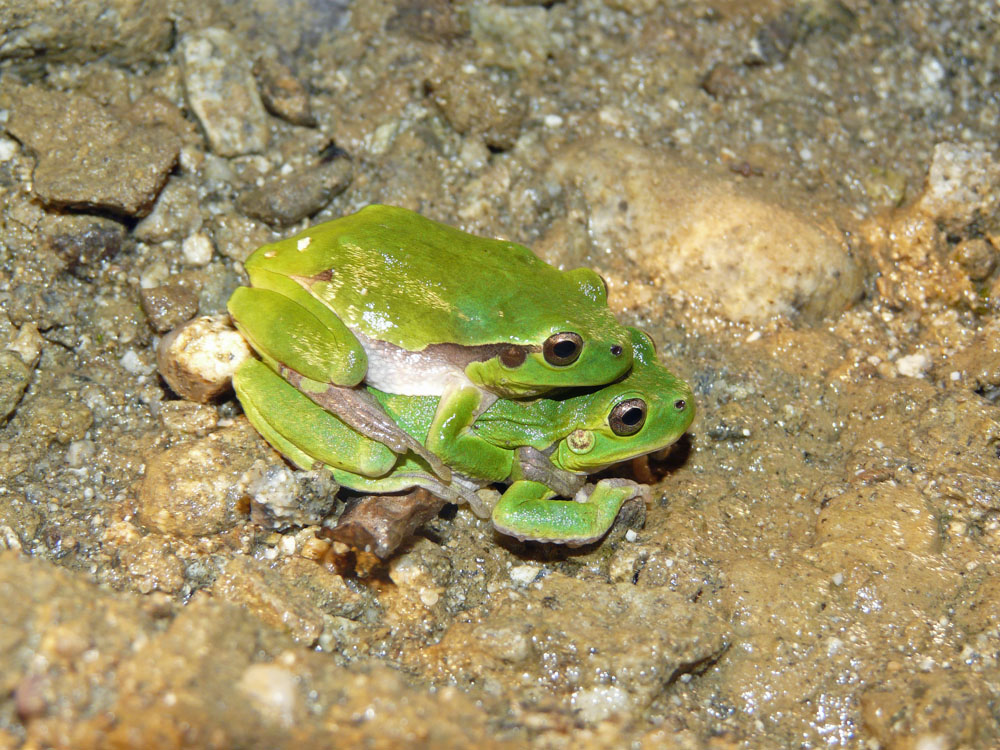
x,y
645,411
569,340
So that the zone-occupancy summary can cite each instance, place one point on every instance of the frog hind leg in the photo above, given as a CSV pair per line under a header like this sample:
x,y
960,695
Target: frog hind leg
x,y
358,409
321,358
300,430
528,511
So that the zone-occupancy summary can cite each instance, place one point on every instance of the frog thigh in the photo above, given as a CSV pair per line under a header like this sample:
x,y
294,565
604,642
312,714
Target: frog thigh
x,y
288,333
301,430
527,511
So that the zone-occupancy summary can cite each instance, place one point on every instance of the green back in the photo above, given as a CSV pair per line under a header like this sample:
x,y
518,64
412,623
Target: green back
x,y
398,277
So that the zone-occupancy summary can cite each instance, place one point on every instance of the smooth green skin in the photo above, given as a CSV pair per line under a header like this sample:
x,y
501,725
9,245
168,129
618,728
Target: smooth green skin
x,y
573,430
398,278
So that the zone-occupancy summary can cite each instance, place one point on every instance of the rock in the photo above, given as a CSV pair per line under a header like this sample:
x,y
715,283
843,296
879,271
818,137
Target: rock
x,y
698,236
208,674
281,497
152,565
512,38
943,709
198,359
722,81
222,93
476,106
963,182
58,416
198,249
193,488
89,156
266,594
546,653
895,516
237,236
27,344
119,31
169,305
175,215
429,20
378,524
285,199
188,417
282,93
83,241
978,364
976,257
14,378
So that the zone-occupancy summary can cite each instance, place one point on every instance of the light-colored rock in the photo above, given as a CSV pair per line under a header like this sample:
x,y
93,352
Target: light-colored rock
x,y
193,489
963,181
175,214
512,38
223,94
702,237
198,359
198,249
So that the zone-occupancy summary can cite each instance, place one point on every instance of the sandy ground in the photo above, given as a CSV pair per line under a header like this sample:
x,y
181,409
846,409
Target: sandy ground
x,y
798,199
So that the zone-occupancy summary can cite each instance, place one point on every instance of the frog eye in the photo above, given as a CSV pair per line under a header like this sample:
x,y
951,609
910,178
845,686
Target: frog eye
x,y
628,417
562,349
680,404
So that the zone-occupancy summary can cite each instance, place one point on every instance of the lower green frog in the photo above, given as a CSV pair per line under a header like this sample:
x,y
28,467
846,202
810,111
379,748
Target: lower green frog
x,y
543,448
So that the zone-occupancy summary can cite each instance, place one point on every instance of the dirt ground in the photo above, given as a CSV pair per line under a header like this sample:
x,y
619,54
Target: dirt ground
x,y
798,199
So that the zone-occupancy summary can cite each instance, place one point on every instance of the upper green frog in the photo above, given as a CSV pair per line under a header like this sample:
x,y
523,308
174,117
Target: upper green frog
x,y
414,307
543,447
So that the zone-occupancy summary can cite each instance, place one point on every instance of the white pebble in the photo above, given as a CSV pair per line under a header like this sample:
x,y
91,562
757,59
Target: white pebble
x,y
913,365
133,364
524,574
198,359
553,121
598,703
197,249
631,536
838,579
8,147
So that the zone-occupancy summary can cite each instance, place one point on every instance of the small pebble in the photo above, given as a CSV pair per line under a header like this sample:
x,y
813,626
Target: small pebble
x,y
197,249
198,359
913,365
524,574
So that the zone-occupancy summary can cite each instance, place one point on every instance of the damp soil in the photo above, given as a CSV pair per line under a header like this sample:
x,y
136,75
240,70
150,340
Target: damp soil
x,y
798,200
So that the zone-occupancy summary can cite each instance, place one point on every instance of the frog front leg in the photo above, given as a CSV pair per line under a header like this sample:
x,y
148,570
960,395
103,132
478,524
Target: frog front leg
x,y
527,511
452,435
313,350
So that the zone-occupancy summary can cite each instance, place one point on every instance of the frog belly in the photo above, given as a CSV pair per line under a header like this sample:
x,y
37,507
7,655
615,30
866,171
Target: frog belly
x,y
393,369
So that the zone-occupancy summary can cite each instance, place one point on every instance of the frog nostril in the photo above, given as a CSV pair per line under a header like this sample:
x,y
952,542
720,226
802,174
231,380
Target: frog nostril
x,y
616,351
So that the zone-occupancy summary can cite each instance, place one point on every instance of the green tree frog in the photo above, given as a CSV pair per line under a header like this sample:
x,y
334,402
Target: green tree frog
x,y
417,308
543,447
